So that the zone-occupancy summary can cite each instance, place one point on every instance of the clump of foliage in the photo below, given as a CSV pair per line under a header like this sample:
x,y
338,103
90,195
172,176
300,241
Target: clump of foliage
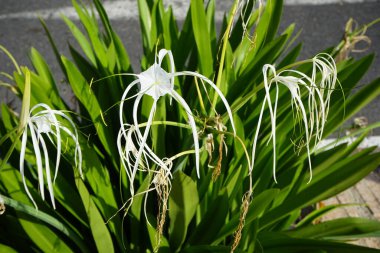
x,y
212,147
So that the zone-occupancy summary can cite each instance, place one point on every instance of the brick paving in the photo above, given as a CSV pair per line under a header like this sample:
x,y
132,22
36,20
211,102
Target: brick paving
x,y
366,194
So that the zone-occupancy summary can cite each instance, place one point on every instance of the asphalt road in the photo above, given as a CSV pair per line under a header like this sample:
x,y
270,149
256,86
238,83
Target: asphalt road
x,y
322,26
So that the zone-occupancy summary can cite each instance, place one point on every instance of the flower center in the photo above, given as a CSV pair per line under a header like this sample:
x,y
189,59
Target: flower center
x,y
43,123
155,82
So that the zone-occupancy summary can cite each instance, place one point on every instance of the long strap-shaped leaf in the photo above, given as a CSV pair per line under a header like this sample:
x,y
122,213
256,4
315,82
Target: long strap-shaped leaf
x,y
31,211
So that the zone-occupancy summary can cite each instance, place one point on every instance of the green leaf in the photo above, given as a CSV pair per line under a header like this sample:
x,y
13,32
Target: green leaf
x,y
6,249
43,237
86,68
92,29
99,179
367,94
99,230
53,45
339,227
349,171
145,23
44,71
276,243
183,203
202,38
46,239
211,222
44,88
41,216
186,42
268,24
318,213
345,106
123,57
81,39
82,91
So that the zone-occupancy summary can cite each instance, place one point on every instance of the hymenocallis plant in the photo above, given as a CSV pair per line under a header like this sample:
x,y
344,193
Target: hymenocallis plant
x,y
212,146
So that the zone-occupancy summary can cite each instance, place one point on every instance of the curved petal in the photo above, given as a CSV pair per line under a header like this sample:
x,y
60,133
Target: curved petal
x,y
123,98
121,151
37,153
161,55
272,116
22,163
145,136
140,138
303,111
47,169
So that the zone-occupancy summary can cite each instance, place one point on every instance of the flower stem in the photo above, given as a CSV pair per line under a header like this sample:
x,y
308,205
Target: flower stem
x,y
200,96
187,152
164,122
224,48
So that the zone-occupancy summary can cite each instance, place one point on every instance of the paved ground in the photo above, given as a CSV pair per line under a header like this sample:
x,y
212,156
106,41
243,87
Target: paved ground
x,y
365,196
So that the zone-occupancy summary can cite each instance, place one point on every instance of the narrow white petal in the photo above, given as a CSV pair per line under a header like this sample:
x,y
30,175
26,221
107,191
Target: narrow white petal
x,y
37,153
121,152
257,134
123,98
161,55
22,163
47,169
272,116
52,113
146,133
140,137
300,105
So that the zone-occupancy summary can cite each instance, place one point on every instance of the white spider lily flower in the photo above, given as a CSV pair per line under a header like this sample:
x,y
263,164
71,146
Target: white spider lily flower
x,y
319,88
156,82
45,123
